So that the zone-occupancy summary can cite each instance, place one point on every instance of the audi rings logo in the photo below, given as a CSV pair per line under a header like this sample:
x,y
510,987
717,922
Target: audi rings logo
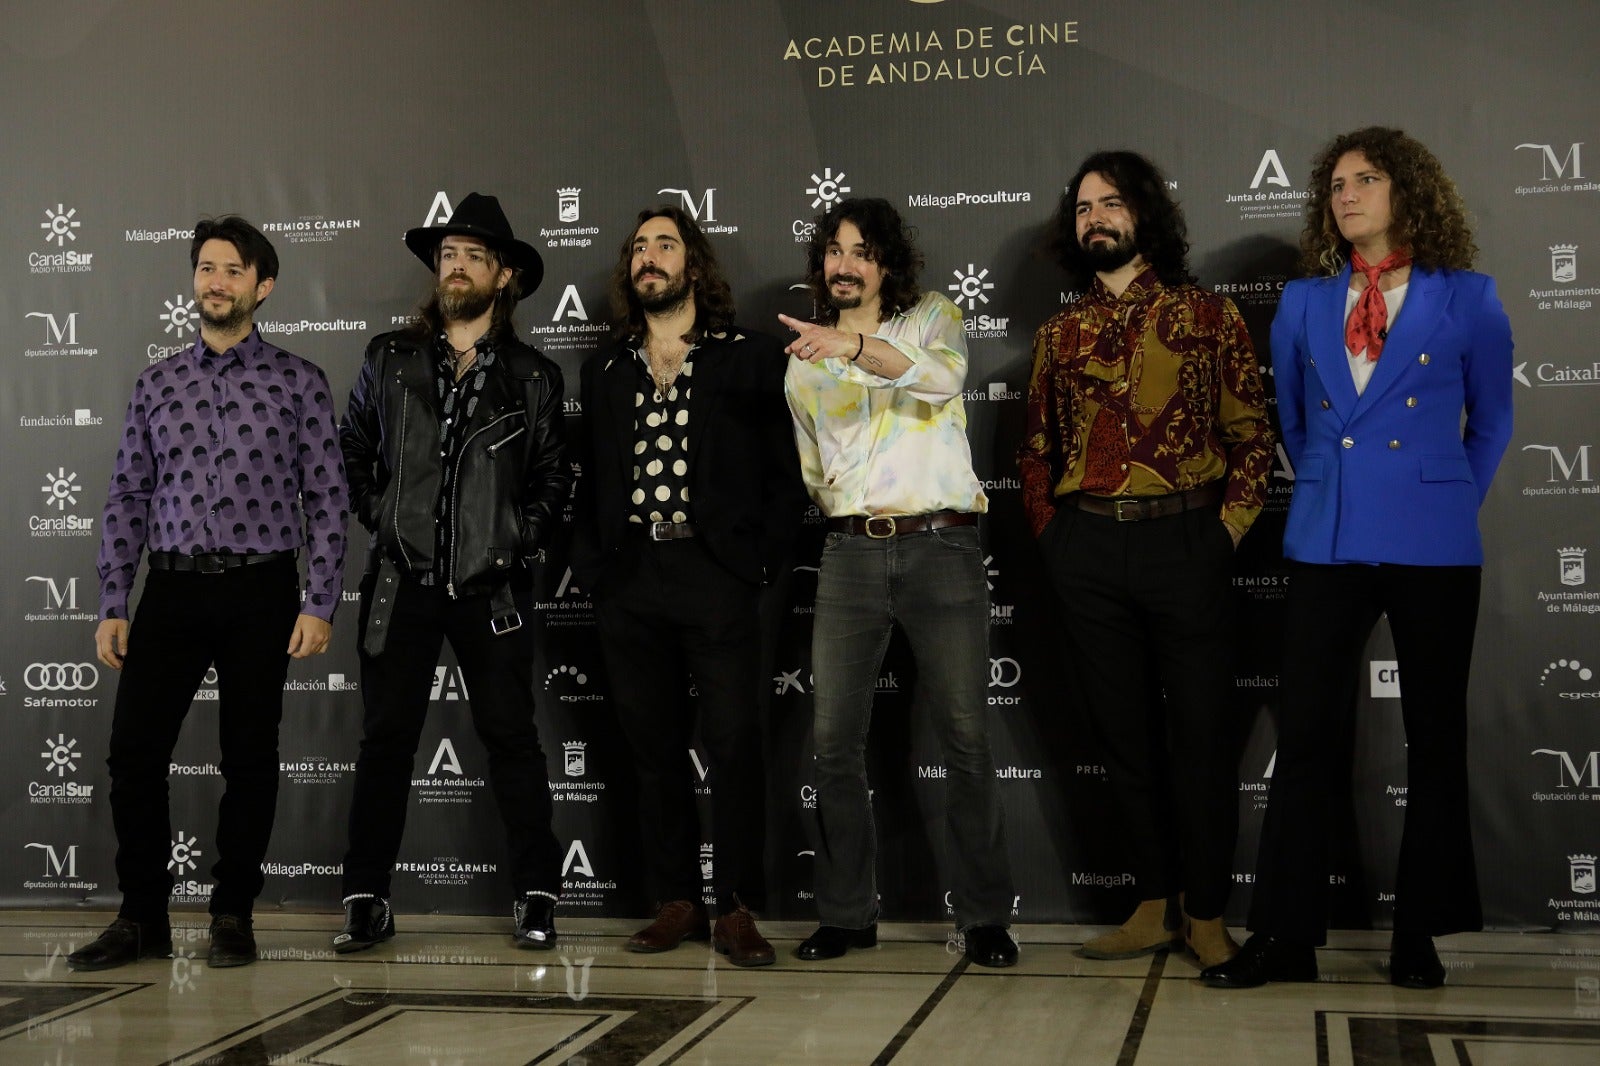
x,y
61,677
1004,673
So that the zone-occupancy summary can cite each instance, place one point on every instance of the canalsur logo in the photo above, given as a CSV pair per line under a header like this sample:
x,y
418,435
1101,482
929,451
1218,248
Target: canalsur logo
x,y
179,315
1271,194
970,290
60,228
60,757
825,190
61,491
185,854
60,336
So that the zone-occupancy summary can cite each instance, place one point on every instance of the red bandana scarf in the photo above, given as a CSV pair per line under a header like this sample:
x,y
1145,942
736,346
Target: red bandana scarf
x,y
1368,324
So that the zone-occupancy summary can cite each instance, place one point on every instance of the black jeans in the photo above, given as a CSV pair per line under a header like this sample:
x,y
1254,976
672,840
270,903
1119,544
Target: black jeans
x,y
1148,613
1433,613
668,611
498,671
240,620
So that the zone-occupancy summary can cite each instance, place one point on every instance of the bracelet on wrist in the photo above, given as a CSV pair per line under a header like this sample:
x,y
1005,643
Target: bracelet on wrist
x,y
861,344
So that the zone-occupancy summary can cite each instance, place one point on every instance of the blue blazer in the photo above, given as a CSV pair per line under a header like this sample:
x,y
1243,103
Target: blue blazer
x,y
1391,476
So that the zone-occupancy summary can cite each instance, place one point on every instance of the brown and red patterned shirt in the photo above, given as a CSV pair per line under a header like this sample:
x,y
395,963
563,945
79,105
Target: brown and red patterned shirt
x,y
1148,393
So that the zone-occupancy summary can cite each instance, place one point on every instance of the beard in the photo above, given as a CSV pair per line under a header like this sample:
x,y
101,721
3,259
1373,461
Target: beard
x,y
849,301
669,297
463,305
1104,257
234,318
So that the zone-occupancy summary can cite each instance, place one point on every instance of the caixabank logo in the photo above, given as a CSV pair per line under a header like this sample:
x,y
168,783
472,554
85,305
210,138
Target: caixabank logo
x,y
63,254
60,785
64,499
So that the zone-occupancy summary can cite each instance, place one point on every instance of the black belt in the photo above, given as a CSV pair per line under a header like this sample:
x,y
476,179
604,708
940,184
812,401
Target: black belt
x,y
213,562
882,526
664,530
1139,508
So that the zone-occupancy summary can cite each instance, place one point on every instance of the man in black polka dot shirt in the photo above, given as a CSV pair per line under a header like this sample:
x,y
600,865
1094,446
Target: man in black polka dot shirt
x,y
689,503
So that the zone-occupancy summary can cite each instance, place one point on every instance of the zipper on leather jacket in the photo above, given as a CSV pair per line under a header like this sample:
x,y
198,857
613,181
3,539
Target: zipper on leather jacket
x,y
497,445
455,494
399,473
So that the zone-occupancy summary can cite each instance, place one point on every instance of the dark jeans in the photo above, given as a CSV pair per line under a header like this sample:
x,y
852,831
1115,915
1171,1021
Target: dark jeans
x,y
1433,614
498,672
934,587
240,620
668,611
1147,612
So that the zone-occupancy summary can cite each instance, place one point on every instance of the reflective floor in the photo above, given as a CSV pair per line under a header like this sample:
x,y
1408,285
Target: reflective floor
x,y
452,991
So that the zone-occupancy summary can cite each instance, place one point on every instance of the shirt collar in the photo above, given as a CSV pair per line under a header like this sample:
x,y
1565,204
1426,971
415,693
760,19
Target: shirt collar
x,y
252,351
1145,284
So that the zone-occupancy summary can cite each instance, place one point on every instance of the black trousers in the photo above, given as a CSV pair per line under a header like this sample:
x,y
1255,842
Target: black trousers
x,y
240,620
498,672
667,612
1148,614
1433,613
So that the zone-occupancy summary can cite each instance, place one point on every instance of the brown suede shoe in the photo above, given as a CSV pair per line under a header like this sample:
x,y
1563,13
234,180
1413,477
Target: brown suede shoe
x,y
1209,940
736,936
1146,932
676,921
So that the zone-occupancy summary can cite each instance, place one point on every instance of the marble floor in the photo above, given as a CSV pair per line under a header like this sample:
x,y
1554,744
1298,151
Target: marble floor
x,y
452,991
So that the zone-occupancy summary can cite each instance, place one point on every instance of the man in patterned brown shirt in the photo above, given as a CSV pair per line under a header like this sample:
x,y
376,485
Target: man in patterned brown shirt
x,y
1145,461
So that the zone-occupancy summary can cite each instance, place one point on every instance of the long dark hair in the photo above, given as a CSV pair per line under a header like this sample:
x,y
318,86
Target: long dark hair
x,y
713,296
890,243
1159,231
1430,219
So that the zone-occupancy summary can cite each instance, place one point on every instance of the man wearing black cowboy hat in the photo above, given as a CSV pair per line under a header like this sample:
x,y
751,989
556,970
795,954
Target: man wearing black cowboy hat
x,y
454,442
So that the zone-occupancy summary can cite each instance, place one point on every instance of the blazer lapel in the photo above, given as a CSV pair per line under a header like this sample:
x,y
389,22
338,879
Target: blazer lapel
x,y
1325,332
1425,301
709,359
620,377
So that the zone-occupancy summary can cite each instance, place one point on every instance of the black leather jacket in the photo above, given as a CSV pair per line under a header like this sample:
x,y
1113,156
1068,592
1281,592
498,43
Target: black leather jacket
x,y
512,480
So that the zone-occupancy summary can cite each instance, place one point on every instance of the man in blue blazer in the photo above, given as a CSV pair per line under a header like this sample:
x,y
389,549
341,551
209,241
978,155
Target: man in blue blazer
x,y
1376,363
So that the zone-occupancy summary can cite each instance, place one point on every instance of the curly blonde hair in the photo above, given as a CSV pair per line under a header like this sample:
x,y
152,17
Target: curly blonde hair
x,y
1430,219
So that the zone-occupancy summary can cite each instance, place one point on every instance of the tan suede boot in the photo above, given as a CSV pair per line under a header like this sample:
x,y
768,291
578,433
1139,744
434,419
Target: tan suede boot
x,y
1209,940
1145,933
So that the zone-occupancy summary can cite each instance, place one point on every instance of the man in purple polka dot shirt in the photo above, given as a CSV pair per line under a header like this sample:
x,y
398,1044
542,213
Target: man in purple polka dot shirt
x,y
229,464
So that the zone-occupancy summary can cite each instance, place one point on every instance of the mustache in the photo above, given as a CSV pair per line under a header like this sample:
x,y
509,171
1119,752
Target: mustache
x,y
1101,231
649,272
851,278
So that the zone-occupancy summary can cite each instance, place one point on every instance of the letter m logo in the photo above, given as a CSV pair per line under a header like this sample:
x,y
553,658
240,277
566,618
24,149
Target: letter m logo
x,y
1573,775
59,865
1559,464
704,211
1550,162
65,333
57,598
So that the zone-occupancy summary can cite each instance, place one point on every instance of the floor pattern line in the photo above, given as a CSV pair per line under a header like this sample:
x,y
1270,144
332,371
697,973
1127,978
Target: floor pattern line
x,y
1141,1012
892,1048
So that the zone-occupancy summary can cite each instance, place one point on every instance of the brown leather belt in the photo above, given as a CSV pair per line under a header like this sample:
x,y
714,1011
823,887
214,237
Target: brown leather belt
x,y
212,562
882,526
1139,508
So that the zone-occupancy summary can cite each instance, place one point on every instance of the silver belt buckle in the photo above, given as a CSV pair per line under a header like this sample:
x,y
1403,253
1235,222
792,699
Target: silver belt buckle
x,y
660,531
1117,509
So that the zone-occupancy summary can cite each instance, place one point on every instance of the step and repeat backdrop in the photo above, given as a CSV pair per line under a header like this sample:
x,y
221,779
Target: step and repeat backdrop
x,y
336,128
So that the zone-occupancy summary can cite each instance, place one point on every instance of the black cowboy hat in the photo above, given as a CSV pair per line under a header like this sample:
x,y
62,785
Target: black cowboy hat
x,y
480,216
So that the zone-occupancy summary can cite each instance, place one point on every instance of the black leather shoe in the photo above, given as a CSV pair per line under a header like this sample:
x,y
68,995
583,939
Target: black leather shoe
x,y
233,942
991,945
1262,959
535,915
830,941
1413,963
124,941
367,921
